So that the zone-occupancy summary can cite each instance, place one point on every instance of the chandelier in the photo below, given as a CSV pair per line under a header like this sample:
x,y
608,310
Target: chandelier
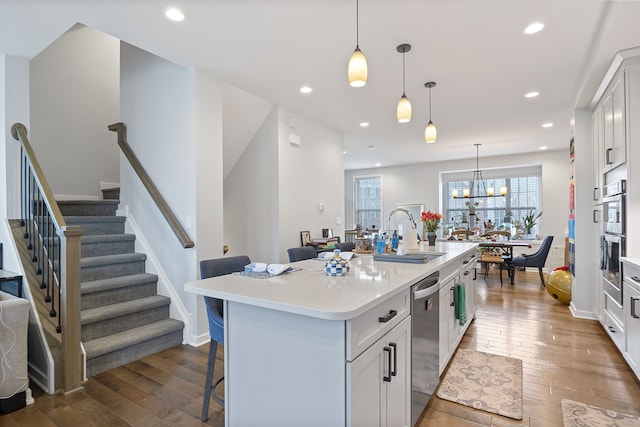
x,y
478,187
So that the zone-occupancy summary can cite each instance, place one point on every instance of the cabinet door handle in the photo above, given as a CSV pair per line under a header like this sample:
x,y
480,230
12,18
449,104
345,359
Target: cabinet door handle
x,y
595,193
394,372
453,301
385,377
596,216
609,156
391,315
633,308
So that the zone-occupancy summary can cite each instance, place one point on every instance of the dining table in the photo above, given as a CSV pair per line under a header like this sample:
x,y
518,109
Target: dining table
x,y
506,249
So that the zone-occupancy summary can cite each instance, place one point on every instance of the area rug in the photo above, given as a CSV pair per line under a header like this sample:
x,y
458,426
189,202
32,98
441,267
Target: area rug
x,y
578,414
484,381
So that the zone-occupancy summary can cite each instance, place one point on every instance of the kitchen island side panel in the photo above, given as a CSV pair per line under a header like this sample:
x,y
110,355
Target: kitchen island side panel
x,y
300,364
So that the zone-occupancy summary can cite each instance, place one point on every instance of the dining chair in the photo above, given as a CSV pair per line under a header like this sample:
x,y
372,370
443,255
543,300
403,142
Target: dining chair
x,y
346,246
536,259
302,253
491,256
213,268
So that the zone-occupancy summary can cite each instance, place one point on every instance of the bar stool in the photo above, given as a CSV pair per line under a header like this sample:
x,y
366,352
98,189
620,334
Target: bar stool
x,y
213,268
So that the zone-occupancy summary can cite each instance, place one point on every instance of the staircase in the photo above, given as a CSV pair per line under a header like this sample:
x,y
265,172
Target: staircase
x,y
122,317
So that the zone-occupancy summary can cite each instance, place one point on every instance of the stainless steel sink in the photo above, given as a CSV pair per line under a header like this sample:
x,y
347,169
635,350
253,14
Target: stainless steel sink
x,y
412,257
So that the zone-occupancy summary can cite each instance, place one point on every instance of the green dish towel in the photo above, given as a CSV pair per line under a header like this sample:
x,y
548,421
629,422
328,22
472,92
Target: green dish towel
x,y
460,303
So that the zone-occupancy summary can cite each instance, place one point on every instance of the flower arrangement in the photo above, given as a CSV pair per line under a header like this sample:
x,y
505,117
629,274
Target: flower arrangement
x,y
431,220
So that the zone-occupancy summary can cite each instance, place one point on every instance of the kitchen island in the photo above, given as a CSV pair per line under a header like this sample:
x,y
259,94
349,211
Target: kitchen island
x,y
304,348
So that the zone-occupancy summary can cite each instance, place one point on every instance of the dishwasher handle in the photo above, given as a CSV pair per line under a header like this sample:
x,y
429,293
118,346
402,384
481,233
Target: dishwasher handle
x,y
423,293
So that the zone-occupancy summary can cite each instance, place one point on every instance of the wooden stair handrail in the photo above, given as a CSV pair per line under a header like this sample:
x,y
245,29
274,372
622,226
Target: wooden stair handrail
x,y
19,133
166,211
71,372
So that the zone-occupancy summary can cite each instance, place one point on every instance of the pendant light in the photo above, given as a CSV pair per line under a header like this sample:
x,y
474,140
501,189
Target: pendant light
x,y
403,112
357,70
430,132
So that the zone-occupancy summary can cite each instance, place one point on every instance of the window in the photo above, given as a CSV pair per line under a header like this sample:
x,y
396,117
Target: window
x,y
368,201
523,196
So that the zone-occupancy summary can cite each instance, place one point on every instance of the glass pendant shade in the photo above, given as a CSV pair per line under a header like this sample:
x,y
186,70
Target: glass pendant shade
x,y
430,133
403,111
357,69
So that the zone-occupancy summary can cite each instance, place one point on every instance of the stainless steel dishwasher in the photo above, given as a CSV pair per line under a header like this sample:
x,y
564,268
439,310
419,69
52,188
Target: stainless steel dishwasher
x,y
425,346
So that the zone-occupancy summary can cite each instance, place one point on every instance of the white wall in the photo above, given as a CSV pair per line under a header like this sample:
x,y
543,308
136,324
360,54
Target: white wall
x,y
251,197
420,183
165,128
14,107
310,173
74,97
582,286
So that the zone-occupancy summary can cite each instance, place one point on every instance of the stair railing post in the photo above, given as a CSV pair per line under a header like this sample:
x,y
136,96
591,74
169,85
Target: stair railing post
x,y
69,299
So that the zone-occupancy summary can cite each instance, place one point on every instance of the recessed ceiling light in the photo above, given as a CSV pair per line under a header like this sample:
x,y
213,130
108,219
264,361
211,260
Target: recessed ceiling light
x,y
547,125
344,152
534,28
174,15
364,124
378,164
544,147
371,147
306,89
531,94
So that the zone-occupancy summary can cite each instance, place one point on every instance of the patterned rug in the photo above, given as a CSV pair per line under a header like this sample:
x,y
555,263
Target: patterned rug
x,y
484,381
578,414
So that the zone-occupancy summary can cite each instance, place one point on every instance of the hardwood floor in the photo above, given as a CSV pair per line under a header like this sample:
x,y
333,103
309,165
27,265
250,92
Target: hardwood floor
x,y
563,357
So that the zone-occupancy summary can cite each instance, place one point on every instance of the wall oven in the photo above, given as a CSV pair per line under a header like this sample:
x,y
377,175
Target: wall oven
x,y
612,242
611,265
613,208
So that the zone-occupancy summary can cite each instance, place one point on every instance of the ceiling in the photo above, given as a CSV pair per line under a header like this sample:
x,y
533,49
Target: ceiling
x,y
475,51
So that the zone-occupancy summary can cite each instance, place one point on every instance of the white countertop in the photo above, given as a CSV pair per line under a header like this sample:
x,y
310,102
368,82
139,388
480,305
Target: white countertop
x,y
311,292
634,261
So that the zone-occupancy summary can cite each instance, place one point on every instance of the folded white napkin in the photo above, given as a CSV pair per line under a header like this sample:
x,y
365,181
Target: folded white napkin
x,y
272,269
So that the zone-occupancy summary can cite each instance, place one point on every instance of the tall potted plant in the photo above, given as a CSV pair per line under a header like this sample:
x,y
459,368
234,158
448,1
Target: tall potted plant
x,y
529,221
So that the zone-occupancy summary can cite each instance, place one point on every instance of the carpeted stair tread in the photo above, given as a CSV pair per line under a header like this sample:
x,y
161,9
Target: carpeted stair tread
x,y
112,311
106,238
102,285
88,207
121,340
78,219
96,261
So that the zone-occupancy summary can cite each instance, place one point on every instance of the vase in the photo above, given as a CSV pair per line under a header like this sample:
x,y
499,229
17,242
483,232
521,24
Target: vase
x,y
431,237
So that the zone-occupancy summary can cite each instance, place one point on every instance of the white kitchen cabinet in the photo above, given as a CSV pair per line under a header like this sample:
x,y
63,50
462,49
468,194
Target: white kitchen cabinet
x,y
380,381
613,122
631,310
598,153
631,294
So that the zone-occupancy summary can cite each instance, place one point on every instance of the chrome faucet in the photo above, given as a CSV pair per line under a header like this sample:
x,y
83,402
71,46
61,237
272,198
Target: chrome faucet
x,y
413,223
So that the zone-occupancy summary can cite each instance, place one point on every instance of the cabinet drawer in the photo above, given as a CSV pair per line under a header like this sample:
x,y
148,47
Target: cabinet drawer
x,y
631,274
615,331
613,309
367,328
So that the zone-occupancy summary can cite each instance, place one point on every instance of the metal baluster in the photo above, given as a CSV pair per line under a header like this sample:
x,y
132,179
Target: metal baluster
x,y
27,232
47,271
56,283
22,184
39,243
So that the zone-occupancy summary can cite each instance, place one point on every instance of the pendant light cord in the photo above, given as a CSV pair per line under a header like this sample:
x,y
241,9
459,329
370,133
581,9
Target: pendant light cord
x,y
357,25
403,76
429,104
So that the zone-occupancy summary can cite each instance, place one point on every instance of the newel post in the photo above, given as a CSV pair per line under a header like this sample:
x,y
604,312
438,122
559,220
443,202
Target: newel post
x,y
72,374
